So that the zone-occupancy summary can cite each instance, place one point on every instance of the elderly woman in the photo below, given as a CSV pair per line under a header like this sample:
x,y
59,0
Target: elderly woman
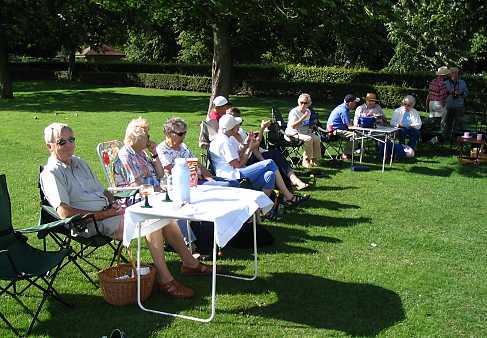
x,y
297,127
407,119
173,147
72,188
370,108
140,169
229,160
261,154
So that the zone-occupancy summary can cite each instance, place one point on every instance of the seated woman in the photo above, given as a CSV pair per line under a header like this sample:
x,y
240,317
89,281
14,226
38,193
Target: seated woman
x,y
230,161
370,108
140,169
407,119
297,127
173,147
261,154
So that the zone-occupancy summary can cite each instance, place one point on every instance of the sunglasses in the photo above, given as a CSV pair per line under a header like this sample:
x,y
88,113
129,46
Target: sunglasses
x,y
303,102
180,134
62,141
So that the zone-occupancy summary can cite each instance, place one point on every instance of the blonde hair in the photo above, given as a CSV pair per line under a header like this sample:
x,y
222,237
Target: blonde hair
x,y
54,130
306,97
136,132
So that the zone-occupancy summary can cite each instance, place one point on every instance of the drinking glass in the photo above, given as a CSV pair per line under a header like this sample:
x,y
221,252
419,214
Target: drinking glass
x,y
146,190
164,187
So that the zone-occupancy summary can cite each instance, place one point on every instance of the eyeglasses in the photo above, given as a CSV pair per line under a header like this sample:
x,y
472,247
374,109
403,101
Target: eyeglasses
x,y
180,134
62,141
303,102
407,105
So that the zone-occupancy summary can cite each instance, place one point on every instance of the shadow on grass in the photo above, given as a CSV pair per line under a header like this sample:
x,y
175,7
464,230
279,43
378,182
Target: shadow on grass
x,y
305,219
330,205
473,171
441,172
312,301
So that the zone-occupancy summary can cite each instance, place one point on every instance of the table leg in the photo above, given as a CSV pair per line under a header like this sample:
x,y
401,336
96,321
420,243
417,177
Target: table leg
x,y
213,280
353,146
361,147
384,155
393,139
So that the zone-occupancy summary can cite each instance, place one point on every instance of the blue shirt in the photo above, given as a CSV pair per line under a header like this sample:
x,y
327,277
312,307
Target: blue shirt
x,y
338,118
458,101
406,119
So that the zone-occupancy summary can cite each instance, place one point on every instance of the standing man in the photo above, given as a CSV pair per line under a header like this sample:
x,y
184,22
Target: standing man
x,y
455,102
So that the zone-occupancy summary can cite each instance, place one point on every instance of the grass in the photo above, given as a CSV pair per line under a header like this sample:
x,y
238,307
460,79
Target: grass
x,y
395,254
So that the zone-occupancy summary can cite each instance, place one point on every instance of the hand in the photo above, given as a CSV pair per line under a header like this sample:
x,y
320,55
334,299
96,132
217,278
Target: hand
x,y
209,179
151,146
306,114
265,124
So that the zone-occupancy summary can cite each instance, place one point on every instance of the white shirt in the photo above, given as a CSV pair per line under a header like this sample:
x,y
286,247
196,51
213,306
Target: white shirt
x,y
294,115
223,150
397,118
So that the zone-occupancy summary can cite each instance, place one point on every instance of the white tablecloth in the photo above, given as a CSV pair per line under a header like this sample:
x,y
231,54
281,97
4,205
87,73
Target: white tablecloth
x,y
228,208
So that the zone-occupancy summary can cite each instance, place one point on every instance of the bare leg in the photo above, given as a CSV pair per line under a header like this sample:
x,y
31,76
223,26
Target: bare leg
x,y
282,186
155,242
296,181
173,235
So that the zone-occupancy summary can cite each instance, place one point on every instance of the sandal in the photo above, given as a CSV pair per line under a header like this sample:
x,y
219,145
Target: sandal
x,y
304,186
176,290
296,200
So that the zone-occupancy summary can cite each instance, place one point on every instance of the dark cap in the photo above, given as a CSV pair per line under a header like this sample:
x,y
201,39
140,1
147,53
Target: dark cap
x,y
350,98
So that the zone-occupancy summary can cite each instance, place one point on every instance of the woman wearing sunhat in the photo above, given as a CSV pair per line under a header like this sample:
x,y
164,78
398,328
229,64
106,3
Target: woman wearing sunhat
x,y
370,108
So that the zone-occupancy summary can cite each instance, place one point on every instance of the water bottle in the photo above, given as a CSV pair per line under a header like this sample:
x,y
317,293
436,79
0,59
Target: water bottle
x,y
180,181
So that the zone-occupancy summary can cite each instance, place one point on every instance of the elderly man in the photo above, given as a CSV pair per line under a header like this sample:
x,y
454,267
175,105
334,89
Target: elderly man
x,y
72,188
455,102
370,108
339,121
407,119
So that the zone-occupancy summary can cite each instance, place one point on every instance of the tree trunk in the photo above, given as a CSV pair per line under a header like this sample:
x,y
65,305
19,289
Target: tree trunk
x,y
5,81
221,80
72,72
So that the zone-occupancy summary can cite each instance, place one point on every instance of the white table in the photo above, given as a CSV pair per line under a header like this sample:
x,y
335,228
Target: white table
x,y
227,208
379,134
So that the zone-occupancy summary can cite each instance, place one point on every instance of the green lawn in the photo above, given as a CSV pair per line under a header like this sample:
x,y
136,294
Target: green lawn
x,y
395,254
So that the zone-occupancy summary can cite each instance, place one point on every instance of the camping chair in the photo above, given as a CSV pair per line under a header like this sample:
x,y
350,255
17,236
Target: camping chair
x,y
23,264
208,131
64,234
276,138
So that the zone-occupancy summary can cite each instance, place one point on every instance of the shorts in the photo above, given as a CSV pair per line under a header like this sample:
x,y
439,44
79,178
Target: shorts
x,y
107,227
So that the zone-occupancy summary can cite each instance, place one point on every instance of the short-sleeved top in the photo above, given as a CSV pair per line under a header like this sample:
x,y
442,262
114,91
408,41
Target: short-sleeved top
x,y
168,155
456,101
294,115
137,165
223,150
437,91
73,184
338,118
363,110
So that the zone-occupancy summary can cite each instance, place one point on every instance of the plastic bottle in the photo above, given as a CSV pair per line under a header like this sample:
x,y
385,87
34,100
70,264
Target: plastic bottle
x,y
180,181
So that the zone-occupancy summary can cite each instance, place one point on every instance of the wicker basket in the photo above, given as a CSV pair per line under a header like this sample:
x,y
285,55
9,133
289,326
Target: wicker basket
x,y
124,291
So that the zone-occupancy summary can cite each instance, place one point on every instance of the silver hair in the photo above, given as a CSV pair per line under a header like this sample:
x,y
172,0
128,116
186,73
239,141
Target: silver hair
x,y
174,125
54,130
409,99
305,96
136,131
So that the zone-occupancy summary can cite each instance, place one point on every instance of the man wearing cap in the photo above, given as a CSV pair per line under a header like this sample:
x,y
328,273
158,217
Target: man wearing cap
x,y
455,102
436,102
220,106
338,121
370,108
229,161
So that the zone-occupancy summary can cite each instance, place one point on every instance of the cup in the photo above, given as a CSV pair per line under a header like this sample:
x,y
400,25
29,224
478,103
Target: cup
x,y
193,171
466,134
480,137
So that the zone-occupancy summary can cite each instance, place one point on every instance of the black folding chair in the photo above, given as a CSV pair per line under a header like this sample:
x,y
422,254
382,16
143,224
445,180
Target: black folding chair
x,y
23,266
276,138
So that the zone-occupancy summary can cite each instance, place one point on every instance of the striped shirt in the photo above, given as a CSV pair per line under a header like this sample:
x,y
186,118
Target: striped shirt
x,y
437,90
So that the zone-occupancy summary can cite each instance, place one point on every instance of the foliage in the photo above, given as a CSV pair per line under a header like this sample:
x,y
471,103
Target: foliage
x,y
151,45
429,33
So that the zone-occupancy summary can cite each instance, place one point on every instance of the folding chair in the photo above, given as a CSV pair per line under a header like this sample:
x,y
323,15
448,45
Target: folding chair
x,y
276,138
23,264
70,230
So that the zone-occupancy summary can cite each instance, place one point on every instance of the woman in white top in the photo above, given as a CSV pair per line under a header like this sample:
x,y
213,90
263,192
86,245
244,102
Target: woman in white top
x,y
407,119
298,127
